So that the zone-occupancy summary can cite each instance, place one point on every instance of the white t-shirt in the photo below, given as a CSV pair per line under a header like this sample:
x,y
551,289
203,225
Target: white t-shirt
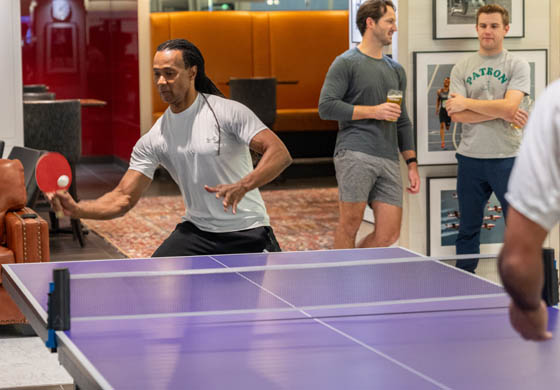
x,y
187,145
534,185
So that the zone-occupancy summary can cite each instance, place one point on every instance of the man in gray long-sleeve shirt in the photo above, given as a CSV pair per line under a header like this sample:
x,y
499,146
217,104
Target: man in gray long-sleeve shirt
x,y
371,131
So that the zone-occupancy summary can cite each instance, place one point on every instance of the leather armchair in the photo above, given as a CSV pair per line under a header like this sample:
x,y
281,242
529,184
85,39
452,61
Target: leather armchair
x,y
23,233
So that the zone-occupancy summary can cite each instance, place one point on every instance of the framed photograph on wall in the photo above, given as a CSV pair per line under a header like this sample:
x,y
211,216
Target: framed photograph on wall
x,y
355,36
62,48
454,19
443,219
436,143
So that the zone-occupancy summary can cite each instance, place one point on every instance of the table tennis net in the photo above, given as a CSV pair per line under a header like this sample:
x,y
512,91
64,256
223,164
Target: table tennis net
x,y
281,291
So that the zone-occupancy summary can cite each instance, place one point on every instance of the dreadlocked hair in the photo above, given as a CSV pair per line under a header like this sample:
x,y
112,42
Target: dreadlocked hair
x,y
192,57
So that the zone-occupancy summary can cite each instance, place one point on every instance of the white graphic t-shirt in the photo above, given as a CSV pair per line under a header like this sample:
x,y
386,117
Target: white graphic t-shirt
x,y
489,78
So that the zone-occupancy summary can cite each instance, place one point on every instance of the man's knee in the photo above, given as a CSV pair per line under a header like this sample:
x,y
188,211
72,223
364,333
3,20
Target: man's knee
x,y
394,237
349,224
388,238
348,229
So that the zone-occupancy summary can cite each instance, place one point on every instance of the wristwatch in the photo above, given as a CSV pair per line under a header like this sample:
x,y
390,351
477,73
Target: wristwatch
x,y
411,160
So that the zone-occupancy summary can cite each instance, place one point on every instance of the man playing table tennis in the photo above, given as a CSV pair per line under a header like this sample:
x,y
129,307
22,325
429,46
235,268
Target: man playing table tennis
x,y
534,197
203,141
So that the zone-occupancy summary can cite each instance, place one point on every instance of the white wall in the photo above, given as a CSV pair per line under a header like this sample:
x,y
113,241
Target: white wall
x,y
145,65
416,35
11,106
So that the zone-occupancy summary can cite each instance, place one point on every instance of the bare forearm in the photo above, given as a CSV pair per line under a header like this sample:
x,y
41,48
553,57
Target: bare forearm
x,y
524,284
117,202
500,108
363,112
274,160
470,117
111,205
406,154
520,261
413,177
383,111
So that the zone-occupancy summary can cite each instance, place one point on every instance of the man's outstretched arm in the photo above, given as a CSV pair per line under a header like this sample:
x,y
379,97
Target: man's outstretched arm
x,y
111,205
521,269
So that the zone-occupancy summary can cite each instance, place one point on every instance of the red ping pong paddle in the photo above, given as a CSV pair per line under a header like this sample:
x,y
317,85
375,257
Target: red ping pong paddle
x,y
53,173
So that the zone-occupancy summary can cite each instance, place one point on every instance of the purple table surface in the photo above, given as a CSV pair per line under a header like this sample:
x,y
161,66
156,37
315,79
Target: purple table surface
x,y
461,340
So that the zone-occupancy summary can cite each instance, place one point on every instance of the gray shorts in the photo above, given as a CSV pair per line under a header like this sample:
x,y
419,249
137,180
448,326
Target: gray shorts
x,y
365,178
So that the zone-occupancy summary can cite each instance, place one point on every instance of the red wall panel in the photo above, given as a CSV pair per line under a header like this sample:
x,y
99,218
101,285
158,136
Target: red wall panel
x,y
87,54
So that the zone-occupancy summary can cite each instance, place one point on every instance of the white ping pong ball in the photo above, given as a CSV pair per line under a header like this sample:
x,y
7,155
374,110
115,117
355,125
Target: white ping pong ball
x,y
63,181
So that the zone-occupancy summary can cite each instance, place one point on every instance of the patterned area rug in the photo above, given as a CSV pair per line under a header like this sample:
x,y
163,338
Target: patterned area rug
x,y
302,219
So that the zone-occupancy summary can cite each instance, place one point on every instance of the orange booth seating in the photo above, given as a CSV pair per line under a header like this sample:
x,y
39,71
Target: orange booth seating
x,y
296,47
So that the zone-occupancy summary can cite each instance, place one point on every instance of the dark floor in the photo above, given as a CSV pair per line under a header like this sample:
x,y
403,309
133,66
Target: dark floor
x,y
95,179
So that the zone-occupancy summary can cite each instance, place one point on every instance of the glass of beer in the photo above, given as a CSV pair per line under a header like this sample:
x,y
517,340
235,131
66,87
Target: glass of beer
x,y
525,105
394,96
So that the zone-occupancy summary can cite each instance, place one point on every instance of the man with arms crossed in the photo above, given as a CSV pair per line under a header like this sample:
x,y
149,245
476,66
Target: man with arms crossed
x,y
371,131
203,141
534,197
486,90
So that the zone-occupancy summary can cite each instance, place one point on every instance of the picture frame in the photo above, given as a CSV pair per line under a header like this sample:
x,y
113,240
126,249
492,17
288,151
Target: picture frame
x,y
430,69
354,33
443,219
62,48
456,19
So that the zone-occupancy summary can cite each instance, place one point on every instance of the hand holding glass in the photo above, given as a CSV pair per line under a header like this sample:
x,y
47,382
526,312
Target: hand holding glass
x,y
394,96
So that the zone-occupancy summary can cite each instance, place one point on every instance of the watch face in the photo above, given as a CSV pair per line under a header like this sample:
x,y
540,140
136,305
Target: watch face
x,y
61,9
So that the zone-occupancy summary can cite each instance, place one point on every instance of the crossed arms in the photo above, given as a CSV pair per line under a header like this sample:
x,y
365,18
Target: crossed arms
x,y
467,110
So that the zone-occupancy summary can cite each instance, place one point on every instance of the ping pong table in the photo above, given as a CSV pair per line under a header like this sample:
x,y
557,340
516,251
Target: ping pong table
x,y
383,318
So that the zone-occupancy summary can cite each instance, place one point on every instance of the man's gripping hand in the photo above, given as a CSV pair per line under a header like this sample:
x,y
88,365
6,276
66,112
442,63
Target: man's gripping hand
x,y
381,112
413,179
530,324
456,103
520,118
231,194
62,203
387,112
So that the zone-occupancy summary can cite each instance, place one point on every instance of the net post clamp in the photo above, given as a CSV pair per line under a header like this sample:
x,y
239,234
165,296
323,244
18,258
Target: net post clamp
x,y
58,307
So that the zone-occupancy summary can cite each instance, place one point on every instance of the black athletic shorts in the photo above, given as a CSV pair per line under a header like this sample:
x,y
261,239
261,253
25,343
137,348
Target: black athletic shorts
x,y
188,240
444,117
